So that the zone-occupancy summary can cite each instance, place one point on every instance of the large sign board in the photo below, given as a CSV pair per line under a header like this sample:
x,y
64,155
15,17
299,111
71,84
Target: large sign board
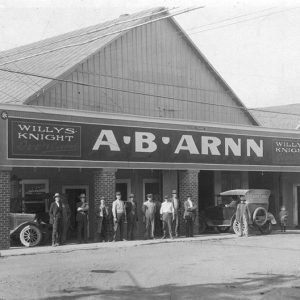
x,y
41,139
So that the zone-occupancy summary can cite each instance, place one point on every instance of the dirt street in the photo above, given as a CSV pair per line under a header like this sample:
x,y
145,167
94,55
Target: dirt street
x,y
258,267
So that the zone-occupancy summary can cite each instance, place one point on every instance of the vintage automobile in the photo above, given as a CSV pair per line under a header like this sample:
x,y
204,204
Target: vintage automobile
x,y
27,229
222,217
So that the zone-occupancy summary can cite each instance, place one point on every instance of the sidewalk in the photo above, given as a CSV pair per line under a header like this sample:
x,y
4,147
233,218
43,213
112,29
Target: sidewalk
x,y
17,251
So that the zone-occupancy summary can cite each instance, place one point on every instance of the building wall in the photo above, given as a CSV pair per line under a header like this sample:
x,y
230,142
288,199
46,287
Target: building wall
x,y
166,76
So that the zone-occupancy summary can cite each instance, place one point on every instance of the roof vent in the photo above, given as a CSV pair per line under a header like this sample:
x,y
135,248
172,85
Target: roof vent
x,y
124,15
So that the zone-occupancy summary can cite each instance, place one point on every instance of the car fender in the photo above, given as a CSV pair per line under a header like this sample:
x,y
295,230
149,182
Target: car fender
x,y
271,218
19,228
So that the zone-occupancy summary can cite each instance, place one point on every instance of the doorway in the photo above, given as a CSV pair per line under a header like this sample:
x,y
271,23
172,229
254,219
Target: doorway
x,y
124,187
72,193
206,189
151,186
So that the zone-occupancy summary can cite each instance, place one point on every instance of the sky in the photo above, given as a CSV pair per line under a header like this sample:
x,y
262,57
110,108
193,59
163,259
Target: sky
x,y
253,44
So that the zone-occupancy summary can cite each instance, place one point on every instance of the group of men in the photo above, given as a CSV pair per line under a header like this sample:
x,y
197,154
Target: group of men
x,y
156,216
154,213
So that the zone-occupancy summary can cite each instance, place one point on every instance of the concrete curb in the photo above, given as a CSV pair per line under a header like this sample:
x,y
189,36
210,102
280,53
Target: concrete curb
x,y
95,246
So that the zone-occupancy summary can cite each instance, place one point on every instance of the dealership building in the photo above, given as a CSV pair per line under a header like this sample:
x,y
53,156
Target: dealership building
x,y
131,105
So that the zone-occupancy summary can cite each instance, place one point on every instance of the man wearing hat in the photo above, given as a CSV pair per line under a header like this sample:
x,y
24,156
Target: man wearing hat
x,y
149,210
132,217
55,214
189,215
82,218
119,215
167,215
175,202
101,221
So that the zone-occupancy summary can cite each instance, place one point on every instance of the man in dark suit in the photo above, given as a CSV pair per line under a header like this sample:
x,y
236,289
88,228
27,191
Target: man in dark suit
x,y
82,218
189,216
55,214
132,217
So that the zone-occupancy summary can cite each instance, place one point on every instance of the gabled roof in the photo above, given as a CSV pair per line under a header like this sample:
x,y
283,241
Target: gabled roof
x,y
57,55
282,116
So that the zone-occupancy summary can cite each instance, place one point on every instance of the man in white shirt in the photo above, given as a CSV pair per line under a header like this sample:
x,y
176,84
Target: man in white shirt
x,y
189,216
118,211
167,214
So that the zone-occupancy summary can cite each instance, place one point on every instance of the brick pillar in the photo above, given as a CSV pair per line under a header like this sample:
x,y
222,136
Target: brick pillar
x,y
188,183
4,209
104,185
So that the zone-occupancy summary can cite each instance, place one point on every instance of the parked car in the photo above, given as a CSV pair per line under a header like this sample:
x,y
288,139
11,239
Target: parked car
x,y
222,216
28,229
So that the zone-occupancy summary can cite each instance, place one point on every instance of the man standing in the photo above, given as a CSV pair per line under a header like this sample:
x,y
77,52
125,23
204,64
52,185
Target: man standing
x,y
55,214
101,221
82,218
175,202
66,214
158,222
119,214
189,216
132,217
167,215
149,209
242,216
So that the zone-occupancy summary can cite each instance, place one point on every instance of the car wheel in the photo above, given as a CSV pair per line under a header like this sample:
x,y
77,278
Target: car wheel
x,y
266,228
223,229
202,225
236,227
260,216
30,236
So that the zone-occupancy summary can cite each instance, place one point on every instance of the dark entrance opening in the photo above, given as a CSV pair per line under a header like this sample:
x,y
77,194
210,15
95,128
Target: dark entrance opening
x,y
122,188
72,195
206,189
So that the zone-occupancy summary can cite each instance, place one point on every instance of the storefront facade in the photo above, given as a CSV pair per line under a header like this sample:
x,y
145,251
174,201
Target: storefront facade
x,y
46,150
137,110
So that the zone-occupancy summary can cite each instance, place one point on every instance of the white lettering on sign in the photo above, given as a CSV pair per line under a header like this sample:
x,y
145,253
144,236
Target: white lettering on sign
x,y
189,145
236,148
257,149
210,143
107,138
144,142
45,133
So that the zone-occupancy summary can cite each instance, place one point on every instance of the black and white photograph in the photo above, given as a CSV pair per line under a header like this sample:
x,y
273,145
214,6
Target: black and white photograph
x,y
150,150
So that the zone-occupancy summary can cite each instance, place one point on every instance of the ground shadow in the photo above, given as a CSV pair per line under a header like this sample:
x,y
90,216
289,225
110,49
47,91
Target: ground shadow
x,y
255,286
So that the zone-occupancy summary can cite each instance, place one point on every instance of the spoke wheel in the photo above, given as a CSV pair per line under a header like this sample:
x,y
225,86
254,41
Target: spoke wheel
x,y
30,236
236,227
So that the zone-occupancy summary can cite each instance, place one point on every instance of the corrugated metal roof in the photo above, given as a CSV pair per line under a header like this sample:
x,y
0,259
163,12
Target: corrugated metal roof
x,y
55,56
282,116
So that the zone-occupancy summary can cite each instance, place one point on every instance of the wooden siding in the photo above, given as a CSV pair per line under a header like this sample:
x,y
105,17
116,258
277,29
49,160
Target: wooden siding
x,y
152,71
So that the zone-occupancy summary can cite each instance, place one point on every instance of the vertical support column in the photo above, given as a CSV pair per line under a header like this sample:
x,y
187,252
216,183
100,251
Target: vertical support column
x,y
104,185
188,183
4,209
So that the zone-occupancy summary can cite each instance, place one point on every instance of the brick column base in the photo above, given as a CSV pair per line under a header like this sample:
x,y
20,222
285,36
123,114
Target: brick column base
x,y
188,183
105,185
4,209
